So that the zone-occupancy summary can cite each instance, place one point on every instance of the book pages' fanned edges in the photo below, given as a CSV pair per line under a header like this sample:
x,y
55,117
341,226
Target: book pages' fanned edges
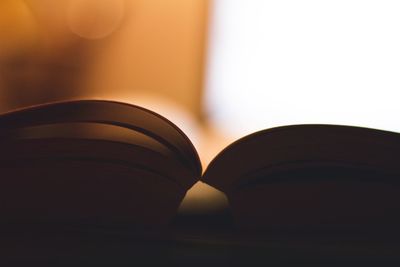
x,y
315,175
92,160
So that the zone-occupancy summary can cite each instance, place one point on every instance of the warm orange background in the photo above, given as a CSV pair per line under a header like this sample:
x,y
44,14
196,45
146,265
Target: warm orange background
x,y
157,48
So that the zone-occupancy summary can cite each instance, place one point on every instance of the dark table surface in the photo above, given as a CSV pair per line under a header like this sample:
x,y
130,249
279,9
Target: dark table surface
x,y
192,241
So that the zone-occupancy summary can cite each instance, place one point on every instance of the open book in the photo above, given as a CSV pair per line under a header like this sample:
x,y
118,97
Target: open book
x,y
103,161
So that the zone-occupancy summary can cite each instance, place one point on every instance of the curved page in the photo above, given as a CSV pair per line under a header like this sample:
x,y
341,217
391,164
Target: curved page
x,y
108,112
303,144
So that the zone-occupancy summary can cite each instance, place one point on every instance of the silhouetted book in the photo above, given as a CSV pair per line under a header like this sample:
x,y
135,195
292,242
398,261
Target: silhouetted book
x,y
109,162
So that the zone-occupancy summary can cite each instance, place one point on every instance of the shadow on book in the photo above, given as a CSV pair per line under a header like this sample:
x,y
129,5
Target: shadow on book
x,y
118,167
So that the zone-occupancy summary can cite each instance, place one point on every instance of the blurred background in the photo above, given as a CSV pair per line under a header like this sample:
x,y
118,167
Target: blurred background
x,y
218,69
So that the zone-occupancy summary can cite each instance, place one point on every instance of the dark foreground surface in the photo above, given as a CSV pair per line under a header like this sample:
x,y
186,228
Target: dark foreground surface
x,y
193,242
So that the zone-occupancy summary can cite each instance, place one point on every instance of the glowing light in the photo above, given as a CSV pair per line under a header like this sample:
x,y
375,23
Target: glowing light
x,y
284,62
18,29
95,19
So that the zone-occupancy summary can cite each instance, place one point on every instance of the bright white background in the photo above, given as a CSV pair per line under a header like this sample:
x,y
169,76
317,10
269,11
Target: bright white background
x,y
273,63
